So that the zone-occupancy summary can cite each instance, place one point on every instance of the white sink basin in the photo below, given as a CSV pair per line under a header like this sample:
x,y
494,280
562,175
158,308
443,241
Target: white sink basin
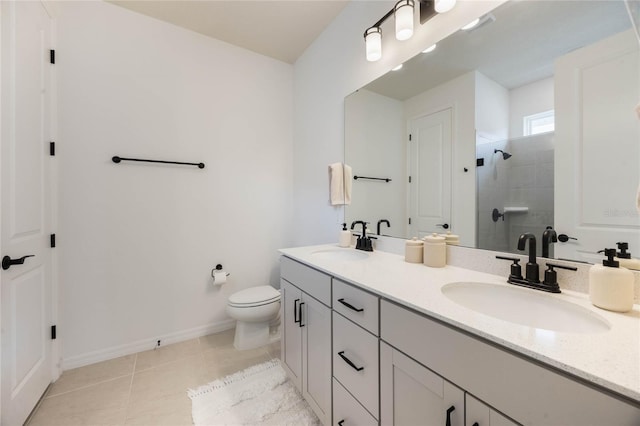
x,y
526,307
340,254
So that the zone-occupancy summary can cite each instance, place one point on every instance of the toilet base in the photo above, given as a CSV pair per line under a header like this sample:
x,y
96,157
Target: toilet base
x,y
251,335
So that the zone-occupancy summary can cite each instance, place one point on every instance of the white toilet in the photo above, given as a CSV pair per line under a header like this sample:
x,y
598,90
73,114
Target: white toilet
x,y
257,312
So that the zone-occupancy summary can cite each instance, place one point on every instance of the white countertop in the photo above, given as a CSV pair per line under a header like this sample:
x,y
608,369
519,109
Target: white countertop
x,y
610,359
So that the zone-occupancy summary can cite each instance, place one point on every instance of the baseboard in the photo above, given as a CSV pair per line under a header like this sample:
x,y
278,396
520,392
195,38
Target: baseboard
x,y
143,345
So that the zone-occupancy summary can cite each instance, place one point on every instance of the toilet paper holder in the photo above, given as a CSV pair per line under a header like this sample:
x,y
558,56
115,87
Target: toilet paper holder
x,y
218,268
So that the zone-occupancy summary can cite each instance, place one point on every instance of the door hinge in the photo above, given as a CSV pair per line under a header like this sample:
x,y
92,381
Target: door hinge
x,y
409,137
53,332
52,56
53,240
409,221
52,148
409,179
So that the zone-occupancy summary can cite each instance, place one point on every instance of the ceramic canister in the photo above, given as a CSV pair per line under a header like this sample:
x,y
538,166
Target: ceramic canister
x,y
435,251
413,250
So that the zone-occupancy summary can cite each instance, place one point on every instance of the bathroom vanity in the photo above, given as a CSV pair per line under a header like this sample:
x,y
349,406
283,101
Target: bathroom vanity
x,y
370,339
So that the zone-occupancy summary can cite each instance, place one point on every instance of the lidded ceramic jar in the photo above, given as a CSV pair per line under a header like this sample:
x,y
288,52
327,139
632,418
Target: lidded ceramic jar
x,y
413,250
435,251
451,239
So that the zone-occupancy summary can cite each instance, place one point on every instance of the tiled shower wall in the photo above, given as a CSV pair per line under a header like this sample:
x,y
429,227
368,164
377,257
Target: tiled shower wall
x,y
524,180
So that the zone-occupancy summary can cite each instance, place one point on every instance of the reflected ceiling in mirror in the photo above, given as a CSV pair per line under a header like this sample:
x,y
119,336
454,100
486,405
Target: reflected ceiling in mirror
x,y
513,46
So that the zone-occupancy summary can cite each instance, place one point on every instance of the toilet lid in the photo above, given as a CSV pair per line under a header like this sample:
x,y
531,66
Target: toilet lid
x,y
255,295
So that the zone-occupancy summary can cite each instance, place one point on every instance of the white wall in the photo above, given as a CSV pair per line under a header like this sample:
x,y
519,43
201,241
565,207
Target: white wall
x,y
376,148
331,68
137,242
492,108
526,100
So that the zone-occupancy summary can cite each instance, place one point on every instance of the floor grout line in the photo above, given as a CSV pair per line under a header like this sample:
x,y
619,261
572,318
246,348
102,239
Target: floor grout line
x,y
87,386
133,374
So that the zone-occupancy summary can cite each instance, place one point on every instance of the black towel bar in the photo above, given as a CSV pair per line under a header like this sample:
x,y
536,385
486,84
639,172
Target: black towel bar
x,y
117,159
371,178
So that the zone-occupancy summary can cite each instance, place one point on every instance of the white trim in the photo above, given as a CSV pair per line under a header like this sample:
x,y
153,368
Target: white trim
x,y
144,344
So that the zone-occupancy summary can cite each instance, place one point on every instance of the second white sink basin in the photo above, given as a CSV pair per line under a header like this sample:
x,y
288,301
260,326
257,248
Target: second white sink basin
x,y
340,254
526,307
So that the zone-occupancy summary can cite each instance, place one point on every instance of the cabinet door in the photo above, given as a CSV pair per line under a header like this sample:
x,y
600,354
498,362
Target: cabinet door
x,y
316,356
411,394
480,414
291,332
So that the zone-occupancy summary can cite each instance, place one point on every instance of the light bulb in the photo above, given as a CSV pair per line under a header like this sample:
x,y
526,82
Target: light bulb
x,y
442,6
373,43
404,19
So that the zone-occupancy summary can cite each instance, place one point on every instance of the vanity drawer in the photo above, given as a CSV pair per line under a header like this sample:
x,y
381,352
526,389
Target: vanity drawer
x,y
356,304
347,411
309,280
353,344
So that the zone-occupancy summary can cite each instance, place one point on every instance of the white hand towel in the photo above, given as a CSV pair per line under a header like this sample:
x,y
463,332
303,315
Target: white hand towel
x,y
339,184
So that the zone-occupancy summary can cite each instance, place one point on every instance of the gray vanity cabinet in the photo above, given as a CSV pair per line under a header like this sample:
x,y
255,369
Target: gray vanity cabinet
x,y
411,394
480,414
306,333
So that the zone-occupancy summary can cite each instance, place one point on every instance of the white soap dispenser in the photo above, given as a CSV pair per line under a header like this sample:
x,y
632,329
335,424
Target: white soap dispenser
x,y
344,239
610,286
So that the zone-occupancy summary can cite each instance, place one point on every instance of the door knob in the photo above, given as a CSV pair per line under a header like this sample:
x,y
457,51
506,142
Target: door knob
x,y
563,238
444,225
7,262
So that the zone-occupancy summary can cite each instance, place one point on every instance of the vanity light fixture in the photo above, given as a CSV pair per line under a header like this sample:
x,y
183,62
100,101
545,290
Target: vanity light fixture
x,y
403,12
442,6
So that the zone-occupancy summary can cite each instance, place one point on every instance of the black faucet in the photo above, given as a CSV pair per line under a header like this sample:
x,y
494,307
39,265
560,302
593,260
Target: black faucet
x,y
532,274
363,242
380,222
548,236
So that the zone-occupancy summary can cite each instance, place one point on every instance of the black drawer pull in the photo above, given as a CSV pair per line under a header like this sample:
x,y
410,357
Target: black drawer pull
x,y
300,314
348,361
296,311
350,306
449,411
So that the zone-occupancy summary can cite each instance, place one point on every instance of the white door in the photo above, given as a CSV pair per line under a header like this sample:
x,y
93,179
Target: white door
x,y
597,164
430,171
26,218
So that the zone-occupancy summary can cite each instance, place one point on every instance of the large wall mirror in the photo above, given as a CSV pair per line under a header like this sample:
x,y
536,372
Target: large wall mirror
x,y
526,121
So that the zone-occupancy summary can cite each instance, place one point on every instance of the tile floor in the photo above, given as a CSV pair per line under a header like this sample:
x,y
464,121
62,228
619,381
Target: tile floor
x,y
148,388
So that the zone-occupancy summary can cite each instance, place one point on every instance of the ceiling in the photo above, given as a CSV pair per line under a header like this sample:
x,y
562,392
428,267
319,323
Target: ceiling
x,y
517,48
281,29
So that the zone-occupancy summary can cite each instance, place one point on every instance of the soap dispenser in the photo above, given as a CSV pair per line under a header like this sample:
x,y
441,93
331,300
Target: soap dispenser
x,y
625,259
610,286
345,237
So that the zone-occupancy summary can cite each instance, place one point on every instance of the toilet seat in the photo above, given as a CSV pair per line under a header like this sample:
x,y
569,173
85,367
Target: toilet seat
x,y
254,296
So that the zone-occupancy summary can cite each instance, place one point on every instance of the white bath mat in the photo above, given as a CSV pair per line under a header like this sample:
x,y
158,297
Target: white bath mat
x,y
259,395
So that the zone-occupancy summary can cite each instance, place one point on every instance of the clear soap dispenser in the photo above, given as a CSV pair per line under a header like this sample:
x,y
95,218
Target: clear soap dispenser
x,y
610,286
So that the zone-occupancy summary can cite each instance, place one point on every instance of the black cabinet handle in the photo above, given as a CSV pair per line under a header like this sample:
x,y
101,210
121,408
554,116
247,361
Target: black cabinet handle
x,y
341,422
350,306
7,262
296,311
449,411
300,314
348,361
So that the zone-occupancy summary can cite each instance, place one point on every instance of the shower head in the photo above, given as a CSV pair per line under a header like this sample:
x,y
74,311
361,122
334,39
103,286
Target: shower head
x,y
505,155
